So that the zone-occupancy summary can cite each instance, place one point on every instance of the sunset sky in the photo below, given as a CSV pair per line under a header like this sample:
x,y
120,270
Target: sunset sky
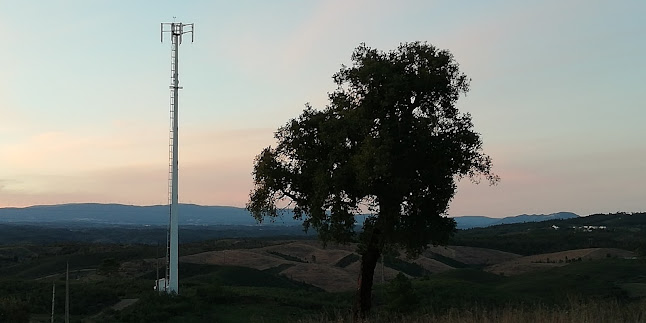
x,y
557,92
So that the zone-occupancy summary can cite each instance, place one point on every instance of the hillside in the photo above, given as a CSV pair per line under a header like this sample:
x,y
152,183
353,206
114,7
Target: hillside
x,y
620,230
336,268
545,261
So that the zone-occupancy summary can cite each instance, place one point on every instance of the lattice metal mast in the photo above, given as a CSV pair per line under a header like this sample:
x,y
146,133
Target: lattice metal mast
x,y
176,31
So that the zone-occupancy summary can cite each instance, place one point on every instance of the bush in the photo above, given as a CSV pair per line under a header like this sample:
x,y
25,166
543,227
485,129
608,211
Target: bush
x,y
214,294
13,310
109,267
401,296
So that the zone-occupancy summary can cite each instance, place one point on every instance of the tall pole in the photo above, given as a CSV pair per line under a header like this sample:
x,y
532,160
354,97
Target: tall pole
x,y
157,287
176,31
53,298
173,284
67,293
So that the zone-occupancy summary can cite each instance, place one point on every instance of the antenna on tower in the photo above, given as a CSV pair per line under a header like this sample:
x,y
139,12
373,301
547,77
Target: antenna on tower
x,y
176,30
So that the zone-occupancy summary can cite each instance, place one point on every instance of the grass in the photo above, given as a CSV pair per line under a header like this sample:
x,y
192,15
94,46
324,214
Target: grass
x,y
600,279
635,290
575,312
612,280
212,293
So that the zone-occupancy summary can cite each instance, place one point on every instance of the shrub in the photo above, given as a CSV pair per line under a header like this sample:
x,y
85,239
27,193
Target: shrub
x,y
13,310
401,295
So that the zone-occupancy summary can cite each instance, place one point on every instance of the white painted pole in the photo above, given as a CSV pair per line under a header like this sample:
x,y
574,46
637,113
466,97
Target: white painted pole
x,y
157,287
176,32
67,293
172,281
53,299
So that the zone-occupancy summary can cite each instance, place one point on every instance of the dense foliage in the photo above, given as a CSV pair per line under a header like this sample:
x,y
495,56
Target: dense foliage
x,y
390,140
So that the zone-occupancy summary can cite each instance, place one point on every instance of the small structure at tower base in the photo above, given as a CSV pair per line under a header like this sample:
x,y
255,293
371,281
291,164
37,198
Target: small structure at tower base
x,y
161,285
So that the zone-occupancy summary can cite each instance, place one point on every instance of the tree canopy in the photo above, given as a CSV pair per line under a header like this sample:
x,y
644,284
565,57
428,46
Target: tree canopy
x,y
391,141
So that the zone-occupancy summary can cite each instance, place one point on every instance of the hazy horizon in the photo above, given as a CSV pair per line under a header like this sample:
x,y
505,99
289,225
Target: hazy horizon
x,y
555,92
242,207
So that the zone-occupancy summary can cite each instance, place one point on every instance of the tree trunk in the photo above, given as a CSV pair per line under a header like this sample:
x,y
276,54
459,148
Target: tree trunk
x,y
388,210
368,264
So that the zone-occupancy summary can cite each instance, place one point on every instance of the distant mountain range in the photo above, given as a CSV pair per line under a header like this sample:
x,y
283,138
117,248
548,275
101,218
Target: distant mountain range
x,y
468,222
93,214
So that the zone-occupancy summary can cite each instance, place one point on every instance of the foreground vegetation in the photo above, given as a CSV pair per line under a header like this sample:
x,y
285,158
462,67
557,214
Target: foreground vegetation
x,y
102,275
615,288
592,291
576,312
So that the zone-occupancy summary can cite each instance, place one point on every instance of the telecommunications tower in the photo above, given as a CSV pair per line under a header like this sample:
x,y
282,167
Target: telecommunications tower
x,y
176,30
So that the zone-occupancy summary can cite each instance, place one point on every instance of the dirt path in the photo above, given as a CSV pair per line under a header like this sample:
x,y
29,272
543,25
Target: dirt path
x,y
63,273
124,303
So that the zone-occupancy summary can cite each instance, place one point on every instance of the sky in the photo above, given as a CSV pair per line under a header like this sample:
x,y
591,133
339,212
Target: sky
x,y
557,94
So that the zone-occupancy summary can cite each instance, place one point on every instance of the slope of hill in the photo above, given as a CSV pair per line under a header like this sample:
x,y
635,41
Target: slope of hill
x,y
336,267
555,259
621,230
471,255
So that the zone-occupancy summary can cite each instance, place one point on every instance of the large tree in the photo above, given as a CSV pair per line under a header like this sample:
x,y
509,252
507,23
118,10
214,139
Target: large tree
x,y
391,142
